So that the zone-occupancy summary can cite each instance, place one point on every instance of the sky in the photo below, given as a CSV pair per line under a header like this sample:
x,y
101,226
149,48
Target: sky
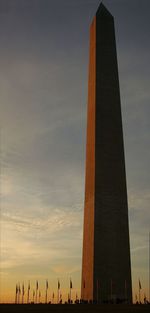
x,y
44,51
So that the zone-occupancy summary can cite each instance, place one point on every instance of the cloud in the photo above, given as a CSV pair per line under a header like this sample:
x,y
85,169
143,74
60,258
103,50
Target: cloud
x,y
28,240
139,248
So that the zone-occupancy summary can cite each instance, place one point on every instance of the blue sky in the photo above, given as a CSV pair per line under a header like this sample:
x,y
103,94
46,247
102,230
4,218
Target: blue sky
x,y
43,102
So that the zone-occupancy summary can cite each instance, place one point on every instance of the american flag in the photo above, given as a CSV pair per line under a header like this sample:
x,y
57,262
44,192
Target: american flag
x,y
140,287
70,283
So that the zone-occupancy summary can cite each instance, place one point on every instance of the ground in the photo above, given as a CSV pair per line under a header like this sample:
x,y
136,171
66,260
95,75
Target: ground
x,y
8,308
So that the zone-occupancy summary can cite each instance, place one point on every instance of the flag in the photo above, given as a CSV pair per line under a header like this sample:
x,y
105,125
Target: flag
x,y
46,284
16,289
70,283
140,285
16,293
28,291
97,283
58,284
37,285
23,289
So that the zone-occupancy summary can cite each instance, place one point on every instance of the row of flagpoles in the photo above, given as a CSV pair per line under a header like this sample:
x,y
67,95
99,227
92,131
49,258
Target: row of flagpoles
x,y
137,298
36,294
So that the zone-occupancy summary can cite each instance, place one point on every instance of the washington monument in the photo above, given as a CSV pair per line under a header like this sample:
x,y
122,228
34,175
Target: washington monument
x,y
106,269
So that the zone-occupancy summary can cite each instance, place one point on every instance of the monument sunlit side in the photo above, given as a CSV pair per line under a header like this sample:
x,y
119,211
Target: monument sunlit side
x,y
106,268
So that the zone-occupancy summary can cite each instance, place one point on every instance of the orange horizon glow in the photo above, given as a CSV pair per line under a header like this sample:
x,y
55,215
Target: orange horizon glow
x,y
7,295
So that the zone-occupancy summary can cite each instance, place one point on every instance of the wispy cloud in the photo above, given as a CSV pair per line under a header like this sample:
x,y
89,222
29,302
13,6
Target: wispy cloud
x,y
27,241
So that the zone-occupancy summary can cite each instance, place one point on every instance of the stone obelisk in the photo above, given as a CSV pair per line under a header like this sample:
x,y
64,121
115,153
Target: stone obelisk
x,y
106,269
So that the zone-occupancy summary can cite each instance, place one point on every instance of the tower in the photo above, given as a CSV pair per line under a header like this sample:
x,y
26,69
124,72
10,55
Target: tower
x,y
106,269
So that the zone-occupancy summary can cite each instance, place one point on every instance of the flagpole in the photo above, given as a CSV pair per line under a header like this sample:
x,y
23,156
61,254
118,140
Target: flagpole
x,y
16,294
60,297
19,294
149,267
58,292
33,295
70,295
28,295
37,287
126,291
46,292
83,292
111,290
139,291
23,293
70,289
36,296
53,296
83,289
46,297
76,296
97,289
36,293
